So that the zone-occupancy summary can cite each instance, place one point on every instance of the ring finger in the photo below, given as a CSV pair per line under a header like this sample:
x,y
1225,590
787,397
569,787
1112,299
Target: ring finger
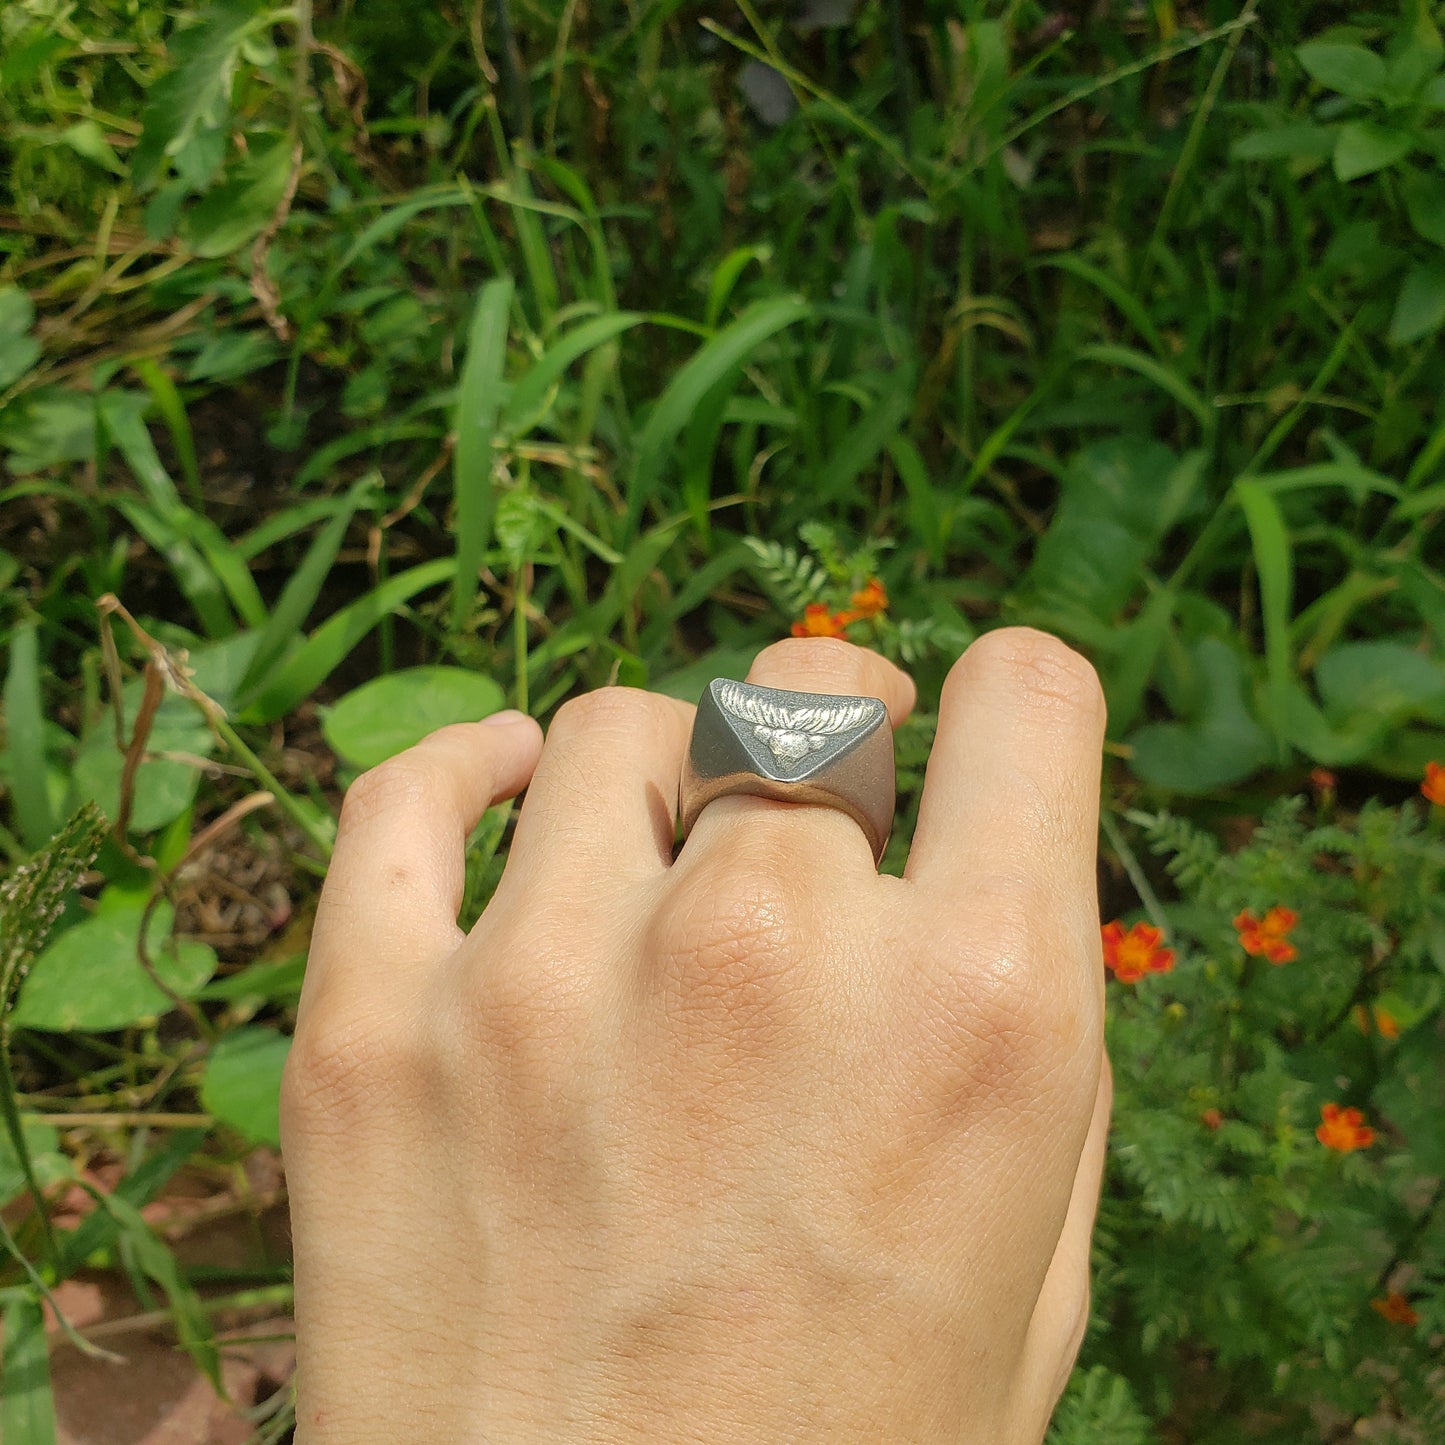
x,y
815,664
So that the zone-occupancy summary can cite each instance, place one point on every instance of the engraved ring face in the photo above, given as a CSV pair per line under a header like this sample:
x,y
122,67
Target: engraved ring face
x,y
793,732
800,747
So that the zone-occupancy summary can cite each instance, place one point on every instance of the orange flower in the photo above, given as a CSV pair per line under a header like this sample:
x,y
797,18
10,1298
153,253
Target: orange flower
x,y
818,621
1387,1023
1133,954
1211,1119
871,600
1323,779
1434,785
1396,1308
1267,935
1343,1129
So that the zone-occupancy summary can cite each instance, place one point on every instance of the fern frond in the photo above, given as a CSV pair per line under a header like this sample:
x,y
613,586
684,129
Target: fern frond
x,y
790,580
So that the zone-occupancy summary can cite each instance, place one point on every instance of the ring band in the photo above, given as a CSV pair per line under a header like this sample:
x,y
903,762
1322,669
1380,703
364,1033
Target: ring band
x,y
797,747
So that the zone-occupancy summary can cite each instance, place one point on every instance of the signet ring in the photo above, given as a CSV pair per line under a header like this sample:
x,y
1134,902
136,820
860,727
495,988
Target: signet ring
x,y
797,747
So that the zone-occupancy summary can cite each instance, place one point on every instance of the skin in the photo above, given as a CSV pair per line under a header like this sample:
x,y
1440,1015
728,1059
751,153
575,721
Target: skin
x,y
757,1145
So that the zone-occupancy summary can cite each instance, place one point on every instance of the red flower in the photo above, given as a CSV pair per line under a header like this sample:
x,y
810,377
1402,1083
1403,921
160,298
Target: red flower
x,y
1133,954
1322,779
1211,1119
1266,935
1434,785
1343,1129
871,600
1396,1308
818,621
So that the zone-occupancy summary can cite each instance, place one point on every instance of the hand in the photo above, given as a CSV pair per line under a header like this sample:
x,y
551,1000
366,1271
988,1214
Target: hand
x,y
754,1146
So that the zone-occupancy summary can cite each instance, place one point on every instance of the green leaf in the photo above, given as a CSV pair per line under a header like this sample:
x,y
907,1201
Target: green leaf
x,y
18,351
91,977
1382,679
1364,147
1274,566
389,714
28,53
1348,69
1118,497
27,1406
196,92
1336,742
1286,142
25,737
42,1143
1424,193
269,981
164,785
48,427
238,210
1420,307
478,398
1223,745
242,1084
87,140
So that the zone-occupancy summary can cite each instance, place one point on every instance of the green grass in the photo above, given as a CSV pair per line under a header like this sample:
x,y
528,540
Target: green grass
x,y
333,347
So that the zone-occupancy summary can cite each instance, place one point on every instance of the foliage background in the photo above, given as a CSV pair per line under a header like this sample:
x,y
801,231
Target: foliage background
x,y
365,367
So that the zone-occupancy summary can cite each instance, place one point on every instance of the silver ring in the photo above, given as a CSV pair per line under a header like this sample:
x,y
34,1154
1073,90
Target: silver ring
x,y
798,747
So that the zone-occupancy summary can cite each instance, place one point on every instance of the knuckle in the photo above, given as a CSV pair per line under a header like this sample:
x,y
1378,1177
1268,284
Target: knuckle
x,y
339,1069
1011,1003
398,783
1046,671
611,710
527,1001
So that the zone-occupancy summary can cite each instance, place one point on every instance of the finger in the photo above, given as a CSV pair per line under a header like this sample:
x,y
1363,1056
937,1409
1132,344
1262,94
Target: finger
x,y
1061,1315
1012,786
395,884
601,805
812,664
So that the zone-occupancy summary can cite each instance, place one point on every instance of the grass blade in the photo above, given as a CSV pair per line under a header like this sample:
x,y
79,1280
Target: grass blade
x,y
201,558
315,660
98,1229
723,353
27,1406
154,1257
1274,563
881,423
524,398
1151,370
300,593
25,737
1127,303
173,413
477,402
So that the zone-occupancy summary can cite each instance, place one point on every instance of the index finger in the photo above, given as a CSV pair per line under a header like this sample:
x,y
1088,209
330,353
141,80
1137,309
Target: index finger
x,y
1012,786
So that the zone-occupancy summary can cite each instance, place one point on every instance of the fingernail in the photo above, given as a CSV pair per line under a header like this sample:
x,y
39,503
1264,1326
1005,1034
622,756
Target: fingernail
x,y
504,719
